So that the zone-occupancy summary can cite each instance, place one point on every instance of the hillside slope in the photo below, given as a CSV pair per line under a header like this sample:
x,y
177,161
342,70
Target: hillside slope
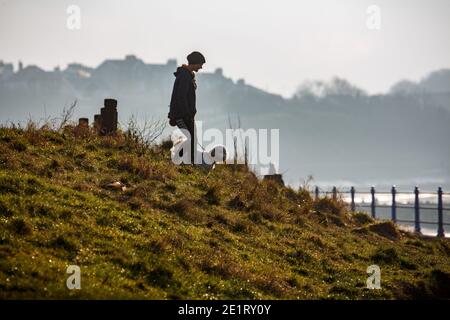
x,y
177,232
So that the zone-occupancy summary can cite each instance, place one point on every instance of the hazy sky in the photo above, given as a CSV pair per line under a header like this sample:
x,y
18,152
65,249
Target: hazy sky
x,y
274,45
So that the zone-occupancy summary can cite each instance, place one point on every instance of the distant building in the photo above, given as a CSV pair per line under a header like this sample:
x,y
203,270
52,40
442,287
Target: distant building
x,y
6,70
33,73
130,57
78,70
171,63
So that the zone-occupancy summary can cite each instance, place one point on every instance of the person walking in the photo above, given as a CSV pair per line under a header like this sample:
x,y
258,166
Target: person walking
x,y
182,109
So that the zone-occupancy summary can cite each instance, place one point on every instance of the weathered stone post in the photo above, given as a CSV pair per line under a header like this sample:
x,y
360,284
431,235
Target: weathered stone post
x,y
97,122
278,178
83,122
82,129
109,117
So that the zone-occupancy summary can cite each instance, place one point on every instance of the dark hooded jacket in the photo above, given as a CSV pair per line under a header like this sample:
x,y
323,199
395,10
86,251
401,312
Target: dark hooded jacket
x,y
182,103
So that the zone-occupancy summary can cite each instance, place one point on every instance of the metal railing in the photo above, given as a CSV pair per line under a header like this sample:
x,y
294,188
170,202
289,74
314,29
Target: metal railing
x,y
394,205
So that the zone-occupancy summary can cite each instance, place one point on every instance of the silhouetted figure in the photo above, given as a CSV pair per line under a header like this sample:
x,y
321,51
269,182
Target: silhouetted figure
x,y
182,104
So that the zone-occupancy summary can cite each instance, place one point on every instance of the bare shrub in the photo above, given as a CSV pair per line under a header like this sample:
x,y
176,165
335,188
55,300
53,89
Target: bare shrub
x,y
141,137
67,114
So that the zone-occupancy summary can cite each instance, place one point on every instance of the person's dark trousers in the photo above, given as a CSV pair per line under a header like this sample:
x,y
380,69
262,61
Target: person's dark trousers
x,y
189,125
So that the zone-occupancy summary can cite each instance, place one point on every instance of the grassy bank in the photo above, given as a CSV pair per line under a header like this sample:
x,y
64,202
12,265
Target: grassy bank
x,y
176,232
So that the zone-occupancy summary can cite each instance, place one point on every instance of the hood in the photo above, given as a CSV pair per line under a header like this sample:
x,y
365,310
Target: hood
x,y
182,69
179,69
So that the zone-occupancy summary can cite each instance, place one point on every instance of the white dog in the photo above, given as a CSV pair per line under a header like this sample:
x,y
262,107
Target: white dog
x,y
205,159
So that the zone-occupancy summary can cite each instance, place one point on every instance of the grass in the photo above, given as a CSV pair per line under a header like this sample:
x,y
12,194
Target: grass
x,y
178,233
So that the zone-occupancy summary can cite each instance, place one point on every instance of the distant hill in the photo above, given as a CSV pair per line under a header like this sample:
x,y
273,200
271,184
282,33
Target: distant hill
x,y
436,82
332,130
176,232
431,91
